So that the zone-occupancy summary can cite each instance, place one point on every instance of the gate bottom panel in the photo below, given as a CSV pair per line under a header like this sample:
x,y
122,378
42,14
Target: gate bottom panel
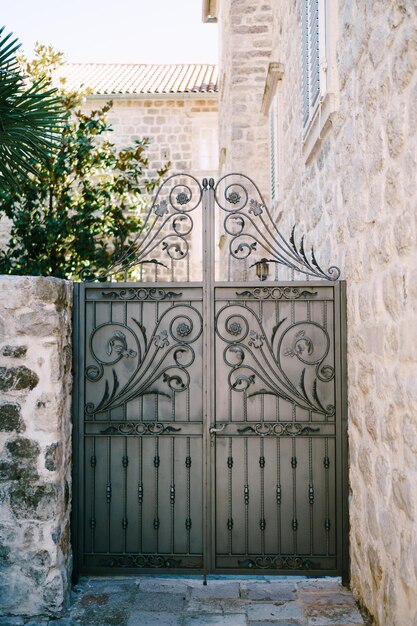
x,y
280,564
134,563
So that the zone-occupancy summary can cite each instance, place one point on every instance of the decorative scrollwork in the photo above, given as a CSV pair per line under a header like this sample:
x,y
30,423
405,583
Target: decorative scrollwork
x,y
233,197
240,198
141,428
255,339
141,561
161,339
183,329
118,344
122,343
258,363
279,562
165,228
234,328
277,293
141,294
300,344
162,208
157,366
242,382
182,198
256,208
174,250
278,429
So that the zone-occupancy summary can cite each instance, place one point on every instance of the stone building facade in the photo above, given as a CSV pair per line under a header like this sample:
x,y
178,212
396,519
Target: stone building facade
x,y
245,34
338,134
175,106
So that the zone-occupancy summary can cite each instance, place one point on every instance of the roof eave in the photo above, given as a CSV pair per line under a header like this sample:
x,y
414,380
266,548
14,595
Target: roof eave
x,y
192,95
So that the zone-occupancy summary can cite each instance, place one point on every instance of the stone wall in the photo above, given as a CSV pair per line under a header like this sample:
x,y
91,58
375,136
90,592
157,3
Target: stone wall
x,y
354,195
173,125
35,444
245,29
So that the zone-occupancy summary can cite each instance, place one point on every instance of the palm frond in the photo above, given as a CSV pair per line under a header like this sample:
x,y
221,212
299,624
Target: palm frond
x,y
31,118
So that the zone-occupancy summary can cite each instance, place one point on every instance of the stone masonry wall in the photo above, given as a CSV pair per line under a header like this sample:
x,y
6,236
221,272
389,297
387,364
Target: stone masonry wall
x,y
35,444
245,28
171,124
356,201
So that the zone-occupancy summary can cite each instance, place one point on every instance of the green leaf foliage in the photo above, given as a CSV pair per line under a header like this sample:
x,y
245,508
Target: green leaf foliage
x,y
31,117
82,209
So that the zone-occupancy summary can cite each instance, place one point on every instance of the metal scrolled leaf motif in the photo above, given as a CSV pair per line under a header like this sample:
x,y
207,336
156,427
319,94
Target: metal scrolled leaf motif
x,y
258,232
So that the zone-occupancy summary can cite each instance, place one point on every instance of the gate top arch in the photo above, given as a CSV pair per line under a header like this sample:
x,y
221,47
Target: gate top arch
x,y
189,223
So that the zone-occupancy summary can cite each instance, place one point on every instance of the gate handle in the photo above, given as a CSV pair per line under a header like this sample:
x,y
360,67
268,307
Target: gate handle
x,y
213,430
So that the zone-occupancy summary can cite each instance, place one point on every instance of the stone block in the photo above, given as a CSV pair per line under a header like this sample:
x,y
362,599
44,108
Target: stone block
x,y
24,473
17,378
273,613
216,589
319,598
163,618
159,601
322,585
215,605
403,493
22,448
15,352
279,593
167,585
53,456
334,616
220,620
10,417
39,502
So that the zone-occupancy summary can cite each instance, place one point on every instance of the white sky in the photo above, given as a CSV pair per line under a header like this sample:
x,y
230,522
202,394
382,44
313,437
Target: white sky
x,y
123,31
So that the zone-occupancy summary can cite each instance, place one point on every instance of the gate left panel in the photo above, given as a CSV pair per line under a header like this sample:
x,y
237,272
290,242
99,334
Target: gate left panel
x,y
139,428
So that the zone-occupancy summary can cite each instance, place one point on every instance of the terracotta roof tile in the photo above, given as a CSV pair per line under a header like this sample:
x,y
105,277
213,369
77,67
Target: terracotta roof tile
x,y
133,78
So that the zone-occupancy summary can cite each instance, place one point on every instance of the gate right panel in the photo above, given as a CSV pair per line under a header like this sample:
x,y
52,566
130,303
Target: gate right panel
x,y
279,428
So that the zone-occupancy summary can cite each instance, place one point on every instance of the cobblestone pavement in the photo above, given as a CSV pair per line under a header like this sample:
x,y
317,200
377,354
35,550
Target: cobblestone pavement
x,y
226,601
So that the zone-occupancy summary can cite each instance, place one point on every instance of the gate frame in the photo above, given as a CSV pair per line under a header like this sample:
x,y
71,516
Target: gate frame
x,y
209,285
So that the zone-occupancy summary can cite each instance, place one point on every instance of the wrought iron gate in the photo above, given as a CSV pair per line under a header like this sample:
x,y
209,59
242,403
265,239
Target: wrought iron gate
x,y
210,397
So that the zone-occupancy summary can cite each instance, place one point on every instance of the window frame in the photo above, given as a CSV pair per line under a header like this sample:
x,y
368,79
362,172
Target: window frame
x,y
320,115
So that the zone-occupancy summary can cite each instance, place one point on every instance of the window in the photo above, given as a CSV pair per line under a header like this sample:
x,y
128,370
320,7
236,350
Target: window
x,y
273,149
205,143
319,24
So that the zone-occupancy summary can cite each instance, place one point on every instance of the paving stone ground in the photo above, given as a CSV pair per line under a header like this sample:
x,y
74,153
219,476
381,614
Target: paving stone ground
x,y
225,601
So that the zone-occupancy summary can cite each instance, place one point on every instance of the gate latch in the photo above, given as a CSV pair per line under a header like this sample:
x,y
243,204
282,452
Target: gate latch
x,y
213,430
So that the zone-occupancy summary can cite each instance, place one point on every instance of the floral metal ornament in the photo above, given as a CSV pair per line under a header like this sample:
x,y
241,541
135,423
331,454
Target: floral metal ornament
x,y
234,328
250,221
118,343
183,329
161,339
234,197
256,340
256,208
162,208
300,344
182,198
